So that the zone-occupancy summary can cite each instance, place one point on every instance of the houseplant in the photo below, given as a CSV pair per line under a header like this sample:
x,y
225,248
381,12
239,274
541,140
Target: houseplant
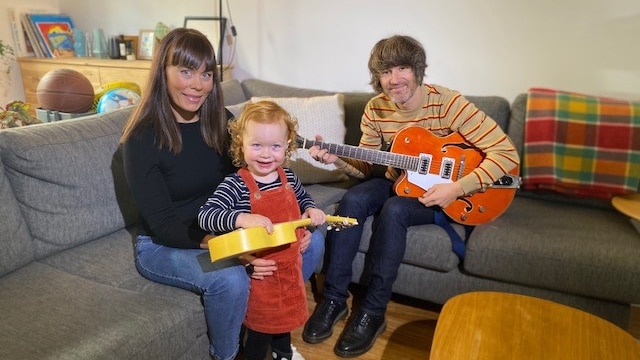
x,y
15,114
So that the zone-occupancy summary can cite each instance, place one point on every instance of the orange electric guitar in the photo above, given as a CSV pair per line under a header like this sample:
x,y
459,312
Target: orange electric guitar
x,y
447,159
249,240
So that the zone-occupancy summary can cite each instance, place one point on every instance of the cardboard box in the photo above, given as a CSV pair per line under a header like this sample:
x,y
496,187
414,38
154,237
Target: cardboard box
x,y
52,115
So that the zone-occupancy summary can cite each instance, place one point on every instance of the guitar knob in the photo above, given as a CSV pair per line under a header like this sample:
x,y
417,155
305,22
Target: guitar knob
x,y
407,190
463,217
482,209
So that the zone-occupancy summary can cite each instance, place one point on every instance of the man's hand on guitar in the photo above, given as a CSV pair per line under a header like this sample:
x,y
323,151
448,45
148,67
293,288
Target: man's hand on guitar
x,y
441,194
322,155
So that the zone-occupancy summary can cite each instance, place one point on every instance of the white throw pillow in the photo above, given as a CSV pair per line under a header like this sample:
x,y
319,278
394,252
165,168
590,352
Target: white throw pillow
x,y
321,115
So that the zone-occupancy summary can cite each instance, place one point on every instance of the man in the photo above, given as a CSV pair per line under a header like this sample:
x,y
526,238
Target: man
x,y
397,66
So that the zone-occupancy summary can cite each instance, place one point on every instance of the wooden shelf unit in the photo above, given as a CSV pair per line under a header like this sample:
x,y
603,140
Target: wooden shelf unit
x,y
98,71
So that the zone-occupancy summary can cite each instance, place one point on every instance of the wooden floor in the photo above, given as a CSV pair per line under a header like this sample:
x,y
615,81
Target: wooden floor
x,y
410,328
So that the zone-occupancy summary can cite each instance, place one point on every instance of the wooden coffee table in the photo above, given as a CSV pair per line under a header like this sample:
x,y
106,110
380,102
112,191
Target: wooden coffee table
x,y
493,325
628,205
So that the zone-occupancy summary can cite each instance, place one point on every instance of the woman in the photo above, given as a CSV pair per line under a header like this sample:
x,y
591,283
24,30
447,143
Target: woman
x,y
175,154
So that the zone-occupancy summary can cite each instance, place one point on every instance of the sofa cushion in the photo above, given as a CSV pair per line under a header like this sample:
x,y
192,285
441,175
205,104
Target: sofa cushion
x,y
65,316
428,246
516,122
109,260
569,248
496,107
68,180
323,115
262,88
328,194
232,92
16,246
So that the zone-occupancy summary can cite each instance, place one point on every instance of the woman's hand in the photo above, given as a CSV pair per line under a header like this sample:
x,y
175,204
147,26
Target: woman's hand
x,y
258,268
305,241
204,243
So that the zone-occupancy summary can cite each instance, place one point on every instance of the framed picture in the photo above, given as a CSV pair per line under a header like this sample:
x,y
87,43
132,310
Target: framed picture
x,y
146,44
134,44
212,27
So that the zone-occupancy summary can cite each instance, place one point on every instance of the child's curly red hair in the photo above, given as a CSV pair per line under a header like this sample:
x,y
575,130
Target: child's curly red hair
x,y
265,112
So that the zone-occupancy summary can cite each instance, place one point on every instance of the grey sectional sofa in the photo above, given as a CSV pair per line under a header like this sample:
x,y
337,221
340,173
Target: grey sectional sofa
x,y
69,288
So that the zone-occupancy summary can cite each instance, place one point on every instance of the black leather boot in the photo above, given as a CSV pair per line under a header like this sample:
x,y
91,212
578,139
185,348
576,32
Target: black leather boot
x,y
319,327
360,335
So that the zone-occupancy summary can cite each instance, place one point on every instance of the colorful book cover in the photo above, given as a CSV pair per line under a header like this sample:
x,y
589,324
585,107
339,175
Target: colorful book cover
x,y
54,32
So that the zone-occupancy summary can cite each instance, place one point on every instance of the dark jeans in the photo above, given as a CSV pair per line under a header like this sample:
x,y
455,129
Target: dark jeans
x,y
394,215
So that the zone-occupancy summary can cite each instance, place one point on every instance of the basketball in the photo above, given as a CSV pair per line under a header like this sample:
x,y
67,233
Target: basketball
x,y
65,90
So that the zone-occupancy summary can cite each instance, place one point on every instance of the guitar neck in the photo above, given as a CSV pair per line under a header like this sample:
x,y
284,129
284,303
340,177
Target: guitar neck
x,y
405,162
332,219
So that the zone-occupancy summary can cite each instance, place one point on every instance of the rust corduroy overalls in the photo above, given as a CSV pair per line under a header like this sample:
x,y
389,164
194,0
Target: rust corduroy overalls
x,y
277,304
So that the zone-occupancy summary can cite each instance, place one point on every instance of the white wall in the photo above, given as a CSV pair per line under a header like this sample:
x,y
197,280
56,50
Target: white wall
x,y
491,47
498,47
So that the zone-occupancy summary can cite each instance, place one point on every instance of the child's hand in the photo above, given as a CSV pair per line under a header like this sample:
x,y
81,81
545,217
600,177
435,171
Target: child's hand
x,y
316,215
253,220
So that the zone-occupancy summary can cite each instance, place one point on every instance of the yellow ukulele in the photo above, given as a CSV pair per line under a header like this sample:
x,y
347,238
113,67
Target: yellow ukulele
x,y
243,241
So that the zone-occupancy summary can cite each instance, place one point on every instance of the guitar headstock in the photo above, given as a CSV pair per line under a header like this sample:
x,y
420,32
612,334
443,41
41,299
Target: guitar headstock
x,y
338,223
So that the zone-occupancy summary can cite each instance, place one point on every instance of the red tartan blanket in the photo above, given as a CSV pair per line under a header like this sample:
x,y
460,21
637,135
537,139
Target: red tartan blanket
x,y
581,145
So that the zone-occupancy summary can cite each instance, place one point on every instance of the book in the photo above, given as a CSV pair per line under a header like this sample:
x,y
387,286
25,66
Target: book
x,y
31,35
54,33
22,43
19,42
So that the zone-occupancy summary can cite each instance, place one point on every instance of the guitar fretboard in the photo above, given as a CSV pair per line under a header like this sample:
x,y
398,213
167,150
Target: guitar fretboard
x,y
406,162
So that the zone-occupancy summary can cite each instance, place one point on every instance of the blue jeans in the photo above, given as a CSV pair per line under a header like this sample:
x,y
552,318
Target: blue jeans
x,y
224,287
394,215
312,256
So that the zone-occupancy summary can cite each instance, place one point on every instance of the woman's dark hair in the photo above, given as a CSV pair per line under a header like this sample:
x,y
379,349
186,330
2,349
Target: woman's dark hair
x,y
185,48
398,50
